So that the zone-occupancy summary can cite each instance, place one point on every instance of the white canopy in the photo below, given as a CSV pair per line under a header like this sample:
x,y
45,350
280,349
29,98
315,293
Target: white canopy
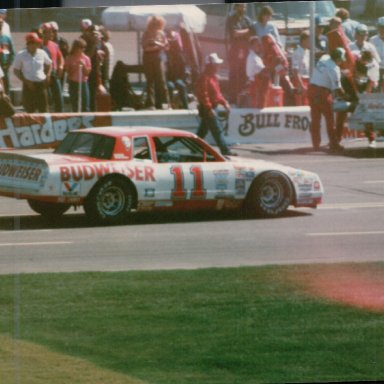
x,y
135,18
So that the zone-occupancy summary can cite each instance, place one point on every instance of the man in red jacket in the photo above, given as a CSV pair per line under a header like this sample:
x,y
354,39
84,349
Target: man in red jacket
x,y
209,96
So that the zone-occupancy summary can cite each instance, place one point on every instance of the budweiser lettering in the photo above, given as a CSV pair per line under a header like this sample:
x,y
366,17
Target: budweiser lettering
x,y
20,172
89,172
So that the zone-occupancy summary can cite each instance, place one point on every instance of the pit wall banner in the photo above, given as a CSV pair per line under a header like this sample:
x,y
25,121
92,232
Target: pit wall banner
x,y
270,125
244,126
44,130
29,131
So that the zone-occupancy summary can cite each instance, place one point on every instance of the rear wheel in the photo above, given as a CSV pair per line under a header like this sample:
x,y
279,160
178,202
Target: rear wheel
x,y
269,196
48,210
110,202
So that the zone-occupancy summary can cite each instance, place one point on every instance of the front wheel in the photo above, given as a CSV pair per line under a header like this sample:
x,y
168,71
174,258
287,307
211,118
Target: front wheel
x,y
269,196
110,202
48,210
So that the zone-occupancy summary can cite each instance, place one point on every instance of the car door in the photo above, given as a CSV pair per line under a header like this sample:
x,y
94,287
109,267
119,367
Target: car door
x,y
186,176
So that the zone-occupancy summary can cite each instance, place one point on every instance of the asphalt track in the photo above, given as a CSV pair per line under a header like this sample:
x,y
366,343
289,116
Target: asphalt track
x,y
349,226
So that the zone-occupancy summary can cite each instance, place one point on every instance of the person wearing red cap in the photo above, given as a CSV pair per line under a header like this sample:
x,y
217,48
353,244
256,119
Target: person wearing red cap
x,y
55,55
33,67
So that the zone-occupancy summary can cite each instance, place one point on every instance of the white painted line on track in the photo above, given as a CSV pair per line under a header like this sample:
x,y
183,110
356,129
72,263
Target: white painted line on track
x,y
16,214
18,231
35,243
351,205
345,233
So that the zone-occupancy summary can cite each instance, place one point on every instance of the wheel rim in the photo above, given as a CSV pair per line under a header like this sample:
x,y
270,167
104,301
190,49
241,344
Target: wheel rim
x,y
271,194
112,201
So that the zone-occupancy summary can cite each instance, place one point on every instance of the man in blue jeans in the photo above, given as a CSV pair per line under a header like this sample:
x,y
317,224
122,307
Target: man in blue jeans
x,y
209,96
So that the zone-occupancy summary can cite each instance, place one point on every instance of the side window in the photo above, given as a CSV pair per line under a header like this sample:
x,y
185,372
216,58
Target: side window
x,y
141,148
181,150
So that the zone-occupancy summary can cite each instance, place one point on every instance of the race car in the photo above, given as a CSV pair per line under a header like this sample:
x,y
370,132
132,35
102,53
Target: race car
x,y
115,171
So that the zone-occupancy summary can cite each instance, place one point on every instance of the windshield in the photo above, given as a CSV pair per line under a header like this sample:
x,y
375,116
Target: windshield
x,y
87,144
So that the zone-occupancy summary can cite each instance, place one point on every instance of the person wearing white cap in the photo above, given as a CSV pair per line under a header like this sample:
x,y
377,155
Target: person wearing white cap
x,y
85,24
361,45
324,83
59,40
4,26
209,96
378,42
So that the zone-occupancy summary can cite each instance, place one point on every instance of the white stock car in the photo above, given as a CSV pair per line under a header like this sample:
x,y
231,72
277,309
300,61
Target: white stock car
x,y
115,171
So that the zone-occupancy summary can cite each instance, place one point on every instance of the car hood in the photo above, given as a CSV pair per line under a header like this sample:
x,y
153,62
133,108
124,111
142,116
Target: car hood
x,y
257,162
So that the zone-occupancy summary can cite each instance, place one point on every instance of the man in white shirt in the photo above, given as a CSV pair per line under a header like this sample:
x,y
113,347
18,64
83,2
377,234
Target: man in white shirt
x,y
378,42
300,69
257,74
33,67
325,81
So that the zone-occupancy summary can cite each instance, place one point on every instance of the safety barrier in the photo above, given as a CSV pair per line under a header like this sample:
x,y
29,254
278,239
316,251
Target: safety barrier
x,y
270,125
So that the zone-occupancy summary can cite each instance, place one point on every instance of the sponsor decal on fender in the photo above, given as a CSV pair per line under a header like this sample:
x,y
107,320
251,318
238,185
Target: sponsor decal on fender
x,y
36,131
221,180
240,187
71,188
149,192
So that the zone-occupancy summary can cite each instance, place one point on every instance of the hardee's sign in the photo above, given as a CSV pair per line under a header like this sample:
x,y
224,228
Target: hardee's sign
x,y
44,130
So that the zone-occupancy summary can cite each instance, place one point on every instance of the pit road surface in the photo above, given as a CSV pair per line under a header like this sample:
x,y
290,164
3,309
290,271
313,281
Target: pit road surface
x,y
348,226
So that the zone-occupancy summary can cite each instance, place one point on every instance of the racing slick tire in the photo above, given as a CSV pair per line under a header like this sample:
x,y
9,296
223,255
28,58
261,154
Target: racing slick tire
x,y
48,210
269,196
110,201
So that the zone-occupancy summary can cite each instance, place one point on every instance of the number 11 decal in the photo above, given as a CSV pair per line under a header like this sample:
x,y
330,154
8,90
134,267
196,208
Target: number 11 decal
x,y
179,192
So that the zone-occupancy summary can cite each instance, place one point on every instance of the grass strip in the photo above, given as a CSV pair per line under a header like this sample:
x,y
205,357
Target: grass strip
x,y
245,325
26,362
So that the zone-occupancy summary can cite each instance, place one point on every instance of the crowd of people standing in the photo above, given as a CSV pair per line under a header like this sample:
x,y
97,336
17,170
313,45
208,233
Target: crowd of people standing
x,y
48,62
347,63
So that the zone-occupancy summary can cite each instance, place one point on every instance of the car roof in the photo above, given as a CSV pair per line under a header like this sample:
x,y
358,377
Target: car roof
x,y
135,130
